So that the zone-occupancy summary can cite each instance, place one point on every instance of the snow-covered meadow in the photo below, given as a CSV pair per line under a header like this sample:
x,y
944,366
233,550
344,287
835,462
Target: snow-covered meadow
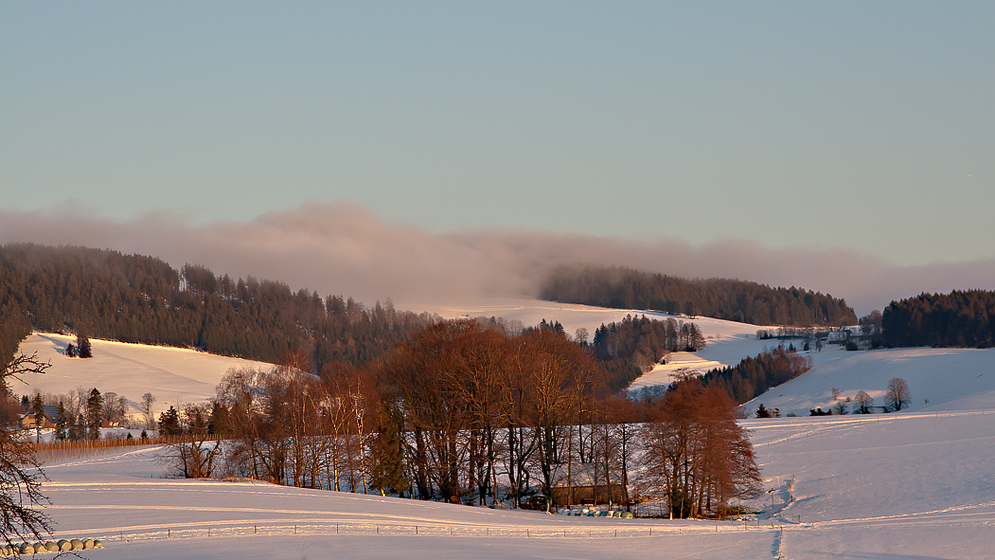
x,y
902,486
914,485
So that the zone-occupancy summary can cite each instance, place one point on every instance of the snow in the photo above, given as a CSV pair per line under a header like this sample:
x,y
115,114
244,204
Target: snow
x,y
913,485
950,379
726,342
901,486
173,375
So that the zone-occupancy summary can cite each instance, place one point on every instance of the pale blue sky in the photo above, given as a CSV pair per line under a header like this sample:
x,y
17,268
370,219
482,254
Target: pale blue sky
x,y
851,125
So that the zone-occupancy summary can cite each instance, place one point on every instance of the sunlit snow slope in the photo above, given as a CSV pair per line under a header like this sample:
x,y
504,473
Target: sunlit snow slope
x,y
172,375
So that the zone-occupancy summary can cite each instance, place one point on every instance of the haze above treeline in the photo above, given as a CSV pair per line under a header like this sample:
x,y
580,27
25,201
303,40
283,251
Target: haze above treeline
x,y
342,248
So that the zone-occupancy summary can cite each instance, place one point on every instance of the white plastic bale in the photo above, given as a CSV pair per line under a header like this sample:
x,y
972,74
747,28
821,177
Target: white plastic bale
x,y
77,544
97,543
87,544
64,545
51,546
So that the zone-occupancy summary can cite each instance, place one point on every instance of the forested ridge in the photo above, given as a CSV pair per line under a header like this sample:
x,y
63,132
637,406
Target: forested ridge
x,y
960,318
734,300
141,299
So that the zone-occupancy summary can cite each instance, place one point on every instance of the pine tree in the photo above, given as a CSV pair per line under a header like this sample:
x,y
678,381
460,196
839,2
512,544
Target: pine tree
x,y
38,410
169,423
60,423
83,344
94,414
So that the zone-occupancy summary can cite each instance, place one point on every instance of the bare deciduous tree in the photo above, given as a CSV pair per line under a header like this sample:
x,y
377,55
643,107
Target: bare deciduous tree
x,y
20,471
695,454
897,395
147,400
863,401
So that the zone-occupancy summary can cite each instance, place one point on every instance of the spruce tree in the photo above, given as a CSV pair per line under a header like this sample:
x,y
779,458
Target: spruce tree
x,y
83,344
60,422
94,414
38,410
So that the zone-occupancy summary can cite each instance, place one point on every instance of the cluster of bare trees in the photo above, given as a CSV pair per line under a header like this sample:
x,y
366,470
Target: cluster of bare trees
x,y
477,406
464,414
695,451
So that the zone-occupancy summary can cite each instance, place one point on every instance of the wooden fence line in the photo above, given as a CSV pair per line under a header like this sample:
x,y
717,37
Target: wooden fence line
x,y
222,530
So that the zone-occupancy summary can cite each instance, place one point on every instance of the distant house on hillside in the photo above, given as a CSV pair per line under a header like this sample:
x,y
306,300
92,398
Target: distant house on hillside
x,y
47,418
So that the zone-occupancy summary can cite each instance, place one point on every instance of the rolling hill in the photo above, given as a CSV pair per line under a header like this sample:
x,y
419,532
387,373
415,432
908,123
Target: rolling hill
x,y
911,485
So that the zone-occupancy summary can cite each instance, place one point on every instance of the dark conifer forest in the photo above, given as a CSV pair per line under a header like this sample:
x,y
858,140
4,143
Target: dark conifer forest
x,y
631,347
959,319
752,376
734,300
141,299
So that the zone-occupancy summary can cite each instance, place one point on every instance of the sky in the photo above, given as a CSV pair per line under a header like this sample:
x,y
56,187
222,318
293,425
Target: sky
x,y
840,146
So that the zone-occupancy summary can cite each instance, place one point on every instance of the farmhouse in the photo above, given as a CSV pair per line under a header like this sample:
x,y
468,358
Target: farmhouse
x,y
46,419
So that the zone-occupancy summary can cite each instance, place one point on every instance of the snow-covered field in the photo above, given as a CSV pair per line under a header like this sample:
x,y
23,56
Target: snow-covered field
x,y
916,485
896,487
173,375
940,379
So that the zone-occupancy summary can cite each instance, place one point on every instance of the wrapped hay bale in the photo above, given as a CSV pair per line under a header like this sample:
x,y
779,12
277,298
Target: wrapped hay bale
x,y
77,544
87,544
27,548
64,545
97,543
50,546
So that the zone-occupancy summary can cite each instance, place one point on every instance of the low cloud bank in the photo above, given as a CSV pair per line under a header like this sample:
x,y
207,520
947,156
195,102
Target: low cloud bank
x,y
342,248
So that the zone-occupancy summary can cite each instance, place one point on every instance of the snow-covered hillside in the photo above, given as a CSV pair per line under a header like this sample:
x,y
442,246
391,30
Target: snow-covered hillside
x,y
940,379
172,375
914,485
177,376
950,379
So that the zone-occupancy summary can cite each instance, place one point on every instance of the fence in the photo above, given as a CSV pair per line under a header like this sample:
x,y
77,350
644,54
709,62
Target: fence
x,y
324,528
74,449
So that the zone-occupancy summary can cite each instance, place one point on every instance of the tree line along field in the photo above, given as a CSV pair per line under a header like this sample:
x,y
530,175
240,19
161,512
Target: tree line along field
x,y
466,415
